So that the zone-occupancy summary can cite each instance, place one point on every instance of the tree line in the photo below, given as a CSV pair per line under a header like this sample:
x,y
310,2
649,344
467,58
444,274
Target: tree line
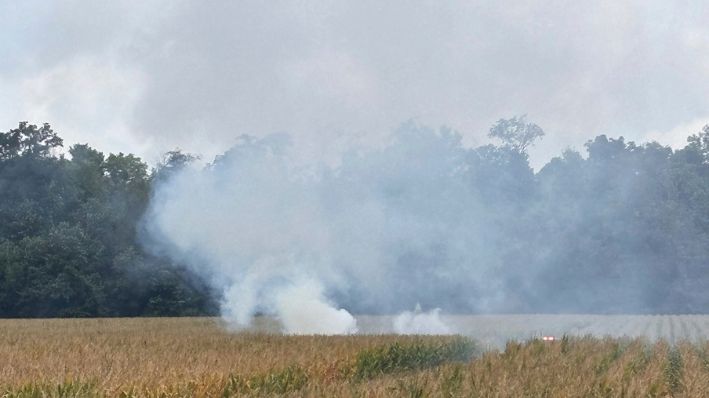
x,y
68,234
623,227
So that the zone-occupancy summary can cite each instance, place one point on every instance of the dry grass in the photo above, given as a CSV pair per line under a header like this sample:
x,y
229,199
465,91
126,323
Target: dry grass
x,y
197,357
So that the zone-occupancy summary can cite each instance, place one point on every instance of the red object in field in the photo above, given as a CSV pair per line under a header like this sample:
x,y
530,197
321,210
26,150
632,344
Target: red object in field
x,y
548,338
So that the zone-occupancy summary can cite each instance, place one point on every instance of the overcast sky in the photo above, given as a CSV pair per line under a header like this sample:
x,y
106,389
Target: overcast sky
x,y
149,76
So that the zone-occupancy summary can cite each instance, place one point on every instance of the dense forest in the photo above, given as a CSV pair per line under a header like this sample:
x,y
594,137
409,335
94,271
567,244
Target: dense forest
x,y
623,227
68,236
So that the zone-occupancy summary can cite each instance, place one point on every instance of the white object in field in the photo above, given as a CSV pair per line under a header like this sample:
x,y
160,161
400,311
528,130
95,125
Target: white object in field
x,y
548,338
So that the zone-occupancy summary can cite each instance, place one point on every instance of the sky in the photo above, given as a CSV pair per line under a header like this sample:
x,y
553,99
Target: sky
x,y
149,76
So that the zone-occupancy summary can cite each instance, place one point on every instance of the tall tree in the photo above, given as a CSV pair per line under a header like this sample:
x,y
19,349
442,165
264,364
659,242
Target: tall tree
x,y
28,140
516,133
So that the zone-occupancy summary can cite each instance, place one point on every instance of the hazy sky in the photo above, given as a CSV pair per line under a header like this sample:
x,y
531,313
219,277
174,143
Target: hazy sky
x,y
149,76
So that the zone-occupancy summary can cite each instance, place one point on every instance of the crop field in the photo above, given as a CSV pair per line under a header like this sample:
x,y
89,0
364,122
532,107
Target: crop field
x,y
496,330
183,357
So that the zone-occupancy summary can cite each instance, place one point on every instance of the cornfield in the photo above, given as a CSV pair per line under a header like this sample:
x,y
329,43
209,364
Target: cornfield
x,y
186,357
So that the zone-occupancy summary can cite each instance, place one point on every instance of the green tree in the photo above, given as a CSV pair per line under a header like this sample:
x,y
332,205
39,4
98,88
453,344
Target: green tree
x,y
68,238
28,140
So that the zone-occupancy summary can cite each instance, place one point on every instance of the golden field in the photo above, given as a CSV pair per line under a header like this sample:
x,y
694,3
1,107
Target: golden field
x,y
166,357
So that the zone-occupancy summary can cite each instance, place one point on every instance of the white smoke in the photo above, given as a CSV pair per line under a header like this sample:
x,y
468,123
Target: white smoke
x,y
382,231
418,322
303,309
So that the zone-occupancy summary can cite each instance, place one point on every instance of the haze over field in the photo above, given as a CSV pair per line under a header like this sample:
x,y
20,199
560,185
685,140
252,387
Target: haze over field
x,y
342,158
426,221
354,198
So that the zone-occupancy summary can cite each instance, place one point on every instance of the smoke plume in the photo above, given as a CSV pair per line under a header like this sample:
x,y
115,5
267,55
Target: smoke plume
x,y
378,233
425,220
418,322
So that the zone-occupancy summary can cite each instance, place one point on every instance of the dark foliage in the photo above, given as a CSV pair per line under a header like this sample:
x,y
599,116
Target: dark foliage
x,y
68,243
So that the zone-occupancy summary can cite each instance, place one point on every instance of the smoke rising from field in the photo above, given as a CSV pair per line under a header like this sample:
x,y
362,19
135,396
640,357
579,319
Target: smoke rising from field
x,y
425,220
380,232
418,322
